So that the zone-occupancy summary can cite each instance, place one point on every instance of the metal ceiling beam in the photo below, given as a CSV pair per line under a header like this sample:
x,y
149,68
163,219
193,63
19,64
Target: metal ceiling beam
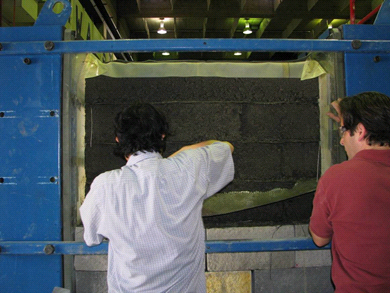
x,y
320,28
263,25
342,5
311,4
146,27
234,27
204,27
291,27
175,28
139,5
242,4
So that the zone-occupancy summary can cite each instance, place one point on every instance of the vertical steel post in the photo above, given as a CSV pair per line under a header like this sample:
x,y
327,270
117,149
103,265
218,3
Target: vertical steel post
x,y
30,174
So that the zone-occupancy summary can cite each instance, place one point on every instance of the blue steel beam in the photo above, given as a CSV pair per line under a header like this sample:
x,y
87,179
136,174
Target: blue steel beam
x,y
192,45
80,248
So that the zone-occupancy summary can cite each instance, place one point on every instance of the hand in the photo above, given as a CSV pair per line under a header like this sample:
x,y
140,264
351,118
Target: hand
x,y
336,106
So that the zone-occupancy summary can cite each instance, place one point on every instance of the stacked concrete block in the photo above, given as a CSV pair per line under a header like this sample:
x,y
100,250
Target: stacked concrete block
x,y
281,271
272,122
90,270
250,260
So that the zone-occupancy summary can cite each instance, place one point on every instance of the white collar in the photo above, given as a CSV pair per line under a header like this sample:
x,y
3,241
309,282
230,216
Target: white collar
x,y
140,156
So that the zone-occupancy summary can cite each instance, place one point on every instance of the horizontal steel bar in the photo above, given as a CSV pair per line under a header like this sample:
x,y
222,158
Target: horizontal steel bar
x,y
80,248
194,45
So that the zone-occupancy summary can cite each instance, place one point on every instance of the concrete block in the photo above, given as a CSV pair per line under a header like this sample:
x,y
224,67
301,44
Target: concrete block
x,y
91,282
88,262
100,158
299,159
235,233
250,260
91,263
229,282
313,258
305,280
282,259
258,161
217,262
196,121
79,232
301,230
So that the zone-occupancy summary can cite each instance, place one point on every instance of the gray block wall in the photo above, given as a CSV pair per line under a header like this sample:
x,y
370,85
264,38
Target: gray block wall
x,y
273,124
275,272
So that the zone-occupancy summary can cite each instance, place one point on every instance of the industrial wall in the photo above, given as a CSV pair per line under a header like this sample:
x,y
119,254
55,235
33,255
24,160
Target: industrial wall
x,y
272,122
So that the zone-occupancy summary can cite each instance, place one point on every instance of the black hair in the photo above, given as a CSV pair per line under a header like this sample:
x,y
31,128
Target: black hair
x,y
372,109
140,127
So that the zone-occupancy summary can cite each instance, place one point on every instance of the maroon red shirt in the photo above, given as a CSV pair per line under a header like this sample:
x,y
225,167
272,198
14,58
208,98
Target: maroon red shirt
x,y
352,205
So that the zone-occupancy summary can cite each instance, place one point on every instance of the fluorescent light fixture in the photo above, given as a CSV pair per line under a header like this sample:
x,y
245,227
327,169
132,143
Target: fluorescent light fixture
x,y
247,29
237,53
165,53
162,29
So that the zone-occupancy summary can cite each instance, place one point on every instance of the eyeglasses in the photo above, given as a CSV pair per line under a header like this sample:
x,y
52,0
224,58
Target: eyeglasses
x,y
342,130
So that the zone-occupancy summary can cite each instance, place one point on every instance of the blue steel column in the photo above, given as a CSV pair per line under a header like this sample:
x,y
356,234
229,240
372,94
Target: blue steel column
x,y
368,71
30,185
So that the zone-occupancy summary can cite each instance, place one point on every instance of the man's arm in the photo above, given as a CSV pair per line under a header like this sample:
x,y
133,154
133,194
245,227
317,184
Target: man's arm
x,y
319,241
202,144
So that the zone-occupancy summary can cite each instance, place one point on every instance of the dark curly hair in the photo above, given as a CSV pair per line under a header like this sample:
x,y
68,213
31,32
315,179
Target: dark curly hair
x,y
140,127
372,109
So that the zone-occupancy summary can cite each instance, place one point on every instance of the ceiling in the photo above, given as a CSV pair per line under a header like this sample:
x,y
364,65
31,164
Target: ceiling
x,y
299,19
187,19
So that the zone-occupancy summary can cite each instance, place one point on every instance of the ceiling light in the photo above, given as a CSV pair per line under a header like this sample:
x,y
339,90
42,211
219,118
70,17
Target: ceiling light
x,y
162,29
165,53
247,29
237,53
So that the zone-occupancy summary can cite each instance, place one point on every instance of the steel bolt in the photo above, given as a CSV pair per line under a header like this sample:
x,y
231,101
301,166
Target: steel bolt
x,y
49,45
52,113
356,44
27,61
377,59
52,179
2,180
49,249
2,114
1,47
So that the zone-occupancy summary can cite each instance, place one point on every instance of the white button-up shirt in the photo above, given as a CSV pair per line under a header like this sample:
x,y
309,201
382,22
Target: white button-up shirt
x,y
150,210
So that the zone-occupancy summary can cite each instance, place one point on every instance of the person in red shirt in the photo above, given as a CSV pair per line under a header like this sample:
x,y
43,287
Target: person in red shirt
x,y
352,201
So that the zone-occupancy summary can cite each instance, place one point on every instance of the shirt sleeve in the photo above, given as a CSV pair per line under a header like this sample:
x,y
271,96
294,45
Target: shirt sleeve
x,y
91,213
220,167
319,220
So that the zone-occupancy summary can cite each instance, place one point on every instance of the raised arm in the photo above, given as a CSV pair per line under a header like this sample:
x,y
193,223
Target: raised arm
x,y
202,144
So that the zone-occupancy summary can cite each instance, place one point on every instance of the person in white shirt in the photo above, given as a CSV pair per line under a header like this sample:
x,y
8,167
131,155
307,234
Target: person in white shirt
x,y
150,209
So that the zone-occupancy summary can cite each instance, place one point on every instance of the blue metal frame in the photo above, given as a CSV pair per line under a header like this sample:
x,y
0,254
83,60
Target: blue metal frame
x,y
191,45
30,95
30,185
80,248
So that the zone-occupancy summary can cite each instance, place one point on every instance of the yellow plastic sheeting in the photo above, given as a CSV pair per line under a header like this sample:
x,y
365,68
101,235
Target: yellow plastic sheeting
x,y
304,70
228,202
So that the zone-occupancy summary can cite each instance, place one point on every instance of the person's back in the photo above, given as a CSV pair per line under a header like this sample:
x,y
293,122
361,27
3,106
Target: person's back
x,y
352,201
150,209
359,203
